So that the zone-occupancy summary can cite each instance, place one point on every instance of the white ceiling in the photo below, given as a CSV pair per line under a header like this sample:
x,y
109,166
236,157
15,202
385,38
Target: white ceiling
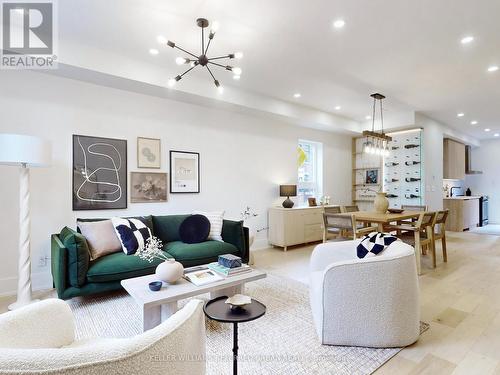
x,y
408,50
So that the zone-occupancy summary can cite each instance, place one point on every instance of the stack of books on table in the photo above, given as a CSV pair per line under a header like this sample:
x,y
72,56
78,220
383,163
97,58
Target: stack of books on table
x,y
226,271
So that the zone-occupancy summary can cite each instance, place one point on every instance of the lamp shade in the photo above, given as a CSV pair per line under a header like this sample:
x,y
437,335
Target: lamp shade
x,y
288,190
16,149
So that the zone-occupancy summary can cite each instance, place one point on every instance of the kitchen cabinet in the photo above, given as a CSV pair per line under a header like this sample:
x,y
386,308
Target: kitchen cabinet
x,y
464,213
453,160
295,226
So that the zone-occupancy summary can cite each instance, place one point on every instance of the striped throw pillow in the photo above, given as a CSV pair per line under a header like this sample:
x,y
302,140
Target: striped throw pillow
x,y
132,234
216,219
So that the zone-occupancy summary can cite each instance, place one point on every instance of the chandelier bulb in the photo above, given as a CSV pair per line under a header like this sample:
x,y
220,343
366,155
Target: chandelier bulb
x,y
238,55
236,77
215,27
237,71
181,60
171,82
170,44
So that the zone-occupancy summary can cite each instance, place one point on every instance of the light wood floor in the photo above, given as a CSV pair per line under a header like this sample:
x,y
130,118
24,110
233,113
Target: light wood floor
x,y
460,300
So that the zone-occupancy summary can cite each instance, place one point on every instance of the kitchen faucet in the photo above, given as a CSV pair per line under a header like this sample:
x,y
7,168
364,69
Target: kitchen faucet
x,y
451,190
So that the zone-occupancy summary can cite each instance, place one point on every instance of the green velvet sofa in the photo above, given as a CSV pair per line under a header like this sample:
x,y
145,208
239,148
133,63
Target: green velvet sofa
x,y
75,275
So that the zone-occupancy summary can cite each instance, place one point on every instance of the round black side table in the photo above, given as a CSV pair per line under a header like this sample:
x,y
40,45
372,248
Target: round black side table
x,y
216,309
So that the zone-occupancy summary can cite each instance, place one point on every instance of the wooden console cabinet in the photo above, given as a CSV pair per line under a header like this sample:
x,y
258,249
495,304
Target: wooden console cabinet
x,y
464,213
295,226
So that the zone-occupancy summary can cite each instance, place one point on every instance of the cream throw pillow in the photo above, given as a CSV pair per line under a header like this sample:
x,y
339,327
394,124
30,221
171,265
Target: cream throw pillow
x,y
216,219
101,237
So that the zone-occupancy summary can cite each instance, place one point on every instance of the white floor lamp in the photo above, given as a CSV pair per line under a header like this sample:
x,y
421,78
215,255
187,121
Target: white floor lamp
x,y
26,152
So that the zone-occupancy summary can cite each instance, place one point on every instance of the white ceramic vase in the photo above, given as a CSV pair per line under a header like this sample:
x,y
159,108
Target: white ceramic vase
x,y
169,271
381,203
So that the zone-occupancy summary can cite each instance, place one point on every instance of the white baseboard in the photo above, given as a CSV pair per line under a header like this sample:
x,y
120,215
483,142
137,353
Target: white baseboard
x,y
39,281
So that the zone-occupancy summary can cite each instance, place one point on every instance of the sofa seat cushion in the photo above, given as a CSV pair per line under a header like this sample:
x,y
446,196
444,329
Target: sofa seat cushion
x,y
118,266
188,254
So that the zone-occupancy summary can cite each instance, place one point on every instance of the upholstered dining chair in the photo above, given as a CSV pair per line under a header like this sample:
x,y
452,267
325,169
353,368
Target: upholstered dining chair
x,y
419,234
440,232
40,339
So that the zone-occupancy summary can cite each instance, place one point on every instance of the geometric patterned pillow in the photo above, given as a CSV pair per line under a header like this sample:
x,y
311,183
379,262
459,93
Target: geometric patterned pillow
x,y
374,243
132,233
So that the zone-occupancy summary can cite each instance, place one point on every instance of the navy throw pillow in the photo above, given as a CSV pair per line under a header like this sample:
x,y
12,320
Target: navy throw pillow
x,y
374,243
194,229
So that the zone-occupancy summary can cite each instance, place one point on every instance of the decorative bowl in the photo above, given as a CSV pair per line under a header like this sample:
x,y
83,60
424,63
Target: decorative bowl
x,y
155,286
238,301
395,210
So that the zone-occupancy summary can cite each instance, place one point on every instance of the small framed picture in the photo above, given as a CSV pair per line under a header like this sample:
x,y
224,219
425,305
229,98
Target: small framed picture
x,y
312,202
148,153
184,172
148,187
371,177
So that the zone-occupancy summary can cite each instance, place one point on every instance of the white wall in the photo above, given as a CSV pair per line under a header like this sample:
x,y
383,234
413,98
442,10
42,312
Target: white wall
x,y
486,159
243,158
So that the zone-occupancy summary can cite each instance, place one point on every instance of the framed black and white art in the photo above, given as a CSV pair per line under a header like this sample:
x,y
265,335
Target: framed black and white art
x,y
99,173
184,172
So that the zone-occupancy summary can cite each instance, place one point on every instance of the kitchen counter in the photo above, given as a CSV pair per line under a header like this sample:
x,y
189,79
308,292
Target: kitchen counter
x,y
462,197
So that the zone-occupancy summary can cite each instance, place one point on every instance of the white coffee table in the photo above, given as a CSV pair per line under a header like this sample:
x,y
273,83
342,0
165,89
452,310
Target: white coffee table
x,y
158,306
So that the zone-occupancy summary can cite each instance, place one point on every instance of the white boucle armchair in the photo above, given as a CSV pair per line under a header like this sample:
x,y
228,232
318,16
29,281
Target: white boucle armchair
x,y
370,302
40,339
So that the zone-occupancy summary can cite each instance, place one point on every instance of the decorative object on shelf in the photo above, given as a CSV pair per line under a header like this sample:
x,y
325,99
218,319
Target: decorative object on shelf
x,y
325,200
194,60
184,172
238,301
169,271
148,153
312,202
288,191
377,142
99,173
371,177
381,203
25,152
155,286
148,187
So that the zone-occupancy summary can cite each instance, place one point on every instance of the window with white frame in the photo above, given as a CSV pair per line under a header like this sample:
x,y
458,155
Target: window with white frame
x,y
310,171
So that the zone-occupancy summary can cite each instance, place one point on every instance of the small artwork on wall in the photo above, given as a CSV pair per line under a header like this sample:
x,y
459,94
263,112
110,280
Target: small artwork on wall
x,y
99,173
148,187
184,172
371,177
148,153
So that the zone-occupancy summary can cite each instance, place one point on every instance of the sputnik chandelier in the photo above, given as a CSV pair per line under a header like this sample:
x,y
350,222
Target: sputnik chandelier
x,y
194,60
377,143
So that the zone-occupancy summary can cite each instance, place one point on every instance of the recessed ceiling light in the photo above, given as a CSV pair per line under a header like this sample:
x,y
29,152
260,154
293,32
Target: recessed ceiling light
x,y
338,24
474,122
496,135
467,39
153,51
368,117
461,114
297,95
493,68
487,129
338,108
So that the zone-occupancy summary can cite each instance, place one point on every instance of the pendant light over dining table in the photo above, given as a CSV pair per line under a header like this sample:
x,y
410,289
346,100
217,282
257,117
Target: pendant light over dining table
x,y
377,143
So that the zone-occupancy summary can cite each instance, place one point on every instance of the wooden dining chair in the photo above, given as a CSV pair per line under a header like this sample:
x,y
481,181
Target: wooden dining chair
x,y
346,209
409,207
440,231
343,226
329,227
419,234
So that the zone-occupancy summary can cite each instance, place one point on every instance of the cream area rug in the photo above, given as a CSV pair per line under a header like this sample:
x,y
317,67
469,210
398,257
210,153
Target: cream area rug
x,y
283,341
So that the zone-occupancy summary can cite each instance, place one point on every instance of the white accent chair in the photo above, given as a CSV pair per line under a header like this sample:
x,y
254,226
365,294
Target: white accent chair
x,y
369,302
40,338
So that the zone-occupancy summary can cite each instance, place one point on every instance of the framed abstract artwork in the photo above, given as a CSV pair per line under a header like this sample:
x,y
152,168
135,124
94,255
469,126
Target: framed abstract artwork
x,y
148,187
99,173
184,172
148,153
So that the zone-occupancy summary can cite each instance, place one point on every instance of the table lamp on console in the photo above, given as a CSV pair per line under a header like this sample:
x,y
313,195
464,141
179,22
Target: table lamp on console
x,y
288,191
25,152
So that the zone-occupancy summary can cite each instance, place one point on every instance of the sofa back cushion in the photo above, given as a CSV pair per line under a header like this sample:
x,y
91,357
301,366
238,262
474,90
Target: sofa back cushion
x,y
78,256
166,228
